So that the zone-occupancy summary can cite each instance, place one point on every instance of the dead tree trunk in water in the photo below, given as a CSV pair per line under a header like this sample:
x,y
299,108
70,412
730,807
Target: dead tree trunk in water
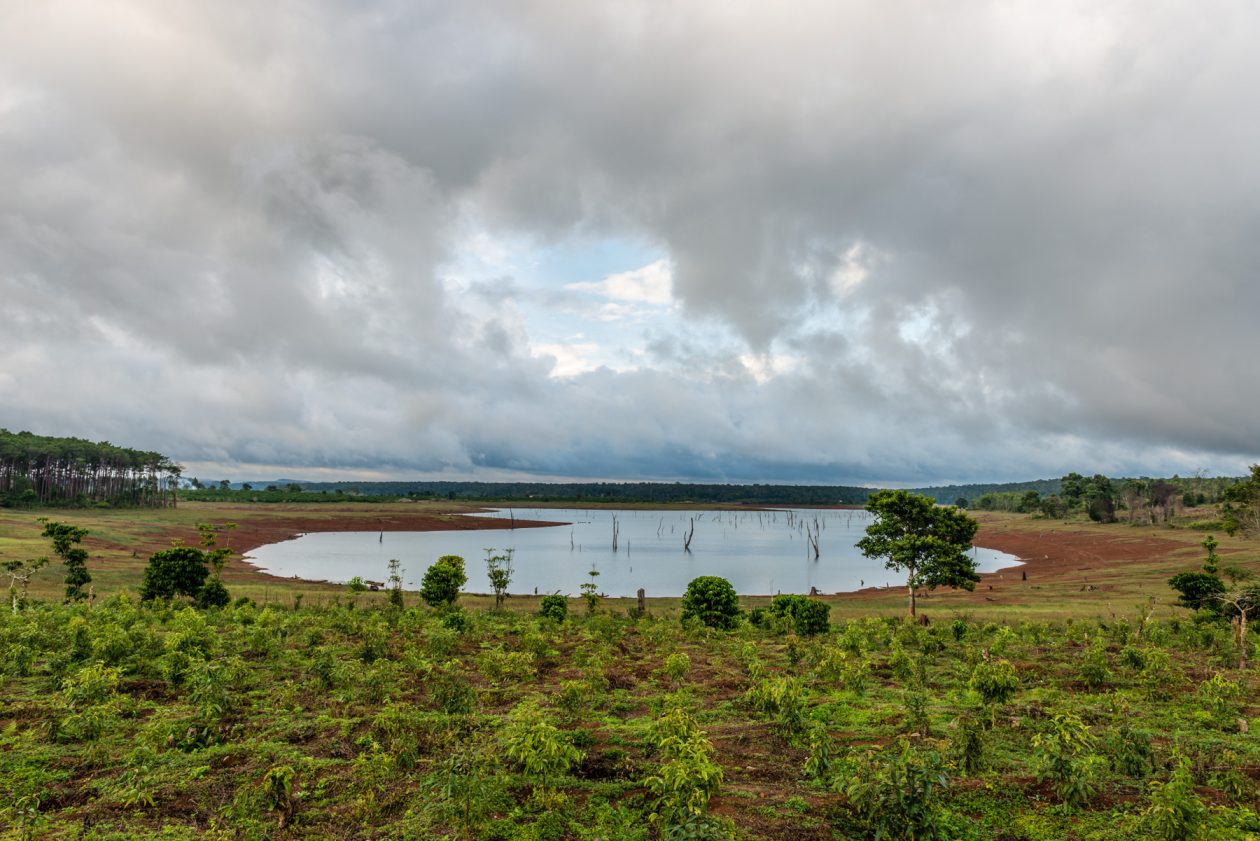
x,y
690,534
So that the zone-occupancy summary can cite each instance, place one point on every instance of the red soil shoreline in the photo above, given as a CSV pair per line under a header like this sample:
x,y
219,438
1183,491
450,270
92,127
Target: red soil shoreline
x,y
1047,556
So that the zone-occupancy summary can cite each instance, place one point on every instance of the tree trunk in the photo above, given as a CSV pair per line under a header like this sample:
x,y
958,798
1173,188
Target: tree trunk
x,y
911,589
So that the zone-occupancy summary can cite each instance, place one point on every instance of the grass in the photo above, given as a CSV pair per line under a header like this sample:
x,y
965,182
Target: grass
x,y
123,721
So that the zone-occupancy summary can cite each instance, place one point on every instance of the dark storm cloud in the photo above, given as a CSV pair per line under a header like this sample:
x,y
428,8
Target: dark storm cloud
x,y
969,241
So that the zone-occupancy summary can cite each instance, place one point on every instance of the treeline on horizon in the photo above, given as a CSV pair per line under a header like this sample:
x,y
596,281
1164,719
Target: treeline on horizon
x,y
288,490
1104,498
40,470
622,492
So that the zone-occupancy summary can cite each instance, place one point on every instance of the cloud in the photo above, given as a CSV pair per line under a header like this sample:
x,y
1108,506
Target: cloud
x,y
891,243
651,284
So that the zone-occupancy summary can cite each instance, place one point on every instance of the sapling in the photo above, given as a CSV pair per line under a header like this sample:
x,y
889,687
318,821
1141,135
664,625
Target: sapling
x,y
499,571
21,571
590,591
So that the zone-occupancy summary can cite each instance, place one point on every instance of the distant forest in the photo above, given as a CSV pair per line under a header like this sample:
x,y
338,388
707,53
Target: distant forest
x,y
289,490
38,470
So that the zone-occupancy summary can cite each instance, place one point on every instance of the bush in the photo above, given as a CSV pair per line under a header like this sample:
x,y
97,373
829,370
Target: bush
x,y
442,581
1199,590
897,795
994,682
711,600
1175,811
554,607
213,594
178,571
808,616
1064,756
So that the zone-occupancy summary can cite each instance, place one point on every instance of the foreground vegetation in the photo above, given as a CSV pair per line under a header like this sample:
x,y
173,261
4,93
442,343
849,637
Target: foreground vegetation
x,y
127,721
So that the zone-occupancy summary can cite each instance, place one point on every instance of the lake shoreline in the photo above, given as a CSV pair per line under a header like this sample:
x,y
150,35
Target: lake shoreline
x,y
310,563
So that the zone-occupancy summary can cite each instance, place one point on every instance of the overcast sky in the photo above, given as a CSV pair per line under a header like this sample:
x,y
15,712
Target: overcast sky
x,y
841,242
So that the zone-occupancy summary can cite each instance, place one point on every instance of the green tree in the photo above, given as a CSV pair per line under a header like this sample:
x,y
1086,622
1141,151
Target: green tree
x,y
65,538
927,542
1241,509
443,580
1072,488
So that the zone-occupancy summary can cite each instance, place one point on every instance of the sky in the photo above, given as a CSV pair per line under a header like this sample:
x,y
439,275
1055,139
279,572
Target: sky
x,y
882,243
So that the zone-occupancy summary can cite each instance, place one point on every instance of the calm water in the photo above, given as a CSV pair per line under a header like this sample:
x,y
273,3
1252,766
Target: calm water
x,y
758,552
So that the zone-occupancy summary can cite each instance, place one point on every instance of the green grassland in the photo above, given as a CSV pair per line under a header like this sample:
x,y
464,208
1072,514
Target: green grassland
x,y
349,721
1076,704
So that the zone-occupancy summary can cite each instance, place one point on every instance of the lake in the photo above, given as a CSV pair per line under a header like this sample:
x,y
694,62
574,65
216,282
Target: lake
x,y
759,552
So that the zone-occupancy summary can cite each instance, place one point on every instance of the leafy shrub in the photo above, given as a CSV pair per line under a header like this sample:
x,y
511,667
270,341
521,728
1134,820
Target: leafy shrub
x,y
687,778
967,744
554,607
959,629
1064,755
900,663
1133,657
897,795
994,681
851,671
1175,812
711,600
676,666
213,594
457,619
783,698
89,702
1094,671
277,790
178,571
807,616
443,580
535,745
1129,751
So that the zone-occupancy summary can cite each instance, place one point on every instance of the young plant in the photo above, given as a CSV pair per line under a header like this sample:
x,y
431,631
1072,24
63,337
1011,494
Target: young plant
x,y
555,607
395,584
277,792
782,698
1175,812
897,794
535,745
590,591
995,682
1064,756
687,778
499,571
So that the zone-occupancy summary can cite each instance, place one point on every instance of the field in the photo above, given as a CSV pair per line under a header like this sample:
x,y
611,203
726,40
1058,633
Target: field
x,y
1068,705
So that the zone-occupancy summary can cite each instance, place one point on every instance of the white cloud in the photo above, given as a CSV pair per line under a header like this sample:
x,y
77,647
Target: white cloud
x,y
567,360
652,284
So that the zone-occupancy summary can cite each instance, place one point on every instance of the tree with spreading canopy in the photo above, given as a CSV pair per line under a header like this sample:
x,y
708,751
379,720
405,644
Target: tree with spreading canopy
x,y
926,541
